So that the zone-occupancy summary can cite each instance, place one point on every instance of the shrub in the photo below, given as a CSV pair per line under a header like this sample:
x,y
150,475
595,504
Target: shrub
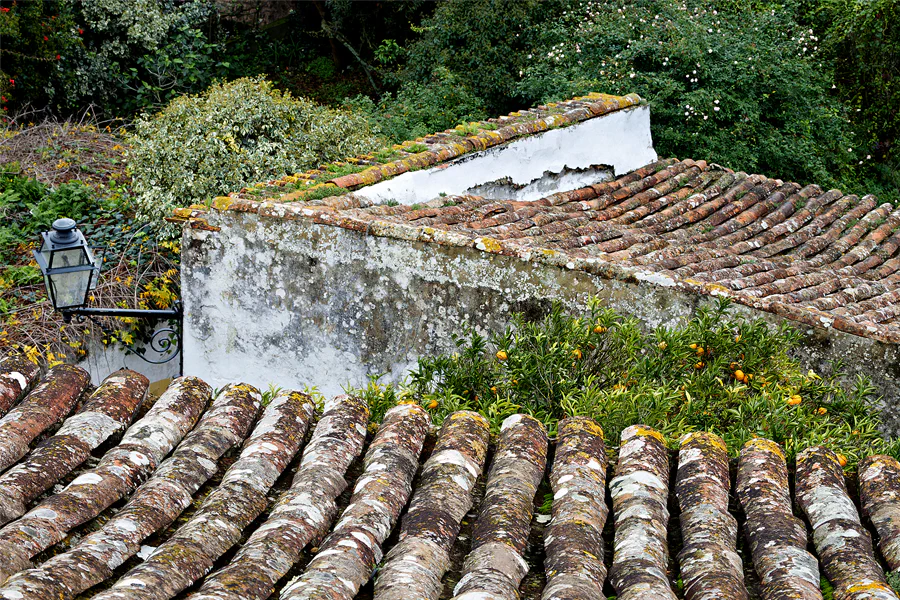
x,y
483,42
865,38
743,86
37,41
231,135
417,110
28,207
717,372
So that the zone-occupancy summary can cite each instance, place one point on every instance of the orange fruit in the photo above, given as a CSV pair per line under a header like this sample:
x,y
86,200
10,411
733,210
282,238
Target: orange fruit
x,y
576,353
734,366
693,346
794,400
700,351
699,365
433,404
494,389
739,375
599,329
822,410
842,460
502,355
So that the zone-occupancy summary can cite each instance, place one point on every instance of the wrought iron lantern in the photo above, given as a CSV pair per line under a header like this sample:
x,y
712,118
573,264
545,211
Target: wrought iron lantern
x,y
71,272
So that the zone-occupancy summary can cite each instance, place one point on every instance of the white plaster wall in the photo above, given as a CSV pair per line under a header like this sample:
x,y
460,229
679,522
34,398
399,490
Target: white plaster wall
x,y
102,360
620,139
257,312
291,303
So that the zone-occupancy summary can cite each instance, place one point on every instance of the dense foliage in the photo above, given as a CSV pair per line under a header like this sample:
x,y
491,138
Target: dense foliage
x,y
420,109
231,135
747,85
865,40
717,372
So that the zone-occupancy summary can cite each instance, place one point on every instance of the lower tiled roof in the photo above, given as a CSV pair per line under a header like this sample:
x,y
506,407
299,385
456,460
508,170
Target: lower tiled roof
x,y
817,256
472,527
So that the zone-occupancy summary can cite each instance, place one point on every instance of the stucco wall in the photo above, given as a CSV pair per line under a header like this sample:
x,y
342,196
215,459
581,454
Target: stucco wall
x,y
290,302
620,140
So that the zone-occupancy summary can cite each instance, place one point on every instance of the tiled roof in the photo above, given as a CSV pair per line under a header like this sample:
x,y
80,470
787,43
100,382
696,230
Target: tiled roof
x,y
816,256
238,502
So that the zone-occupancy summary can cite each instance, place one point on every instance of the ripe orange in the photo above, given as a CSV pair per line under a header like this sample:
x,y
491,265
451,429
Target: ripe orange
x,y
599,329
433,404
576,353
794,400
502,355
699,365
842,460
822,410
739,375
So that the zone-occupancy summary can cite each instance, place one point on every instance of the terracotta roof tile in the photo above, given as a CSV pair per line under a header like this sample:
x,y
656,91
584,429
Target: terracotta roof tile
x,y
797,251
437,547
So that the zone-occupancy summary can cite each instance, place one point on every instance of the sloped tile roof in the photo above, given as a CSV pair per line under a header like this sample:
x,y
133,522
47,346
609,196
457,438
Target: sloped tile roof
x,y
471,529
816,256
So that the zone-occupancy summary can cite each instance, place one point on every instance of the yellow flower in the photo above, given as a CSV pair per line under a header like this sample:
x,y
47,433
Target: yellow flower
x,y
502,355
822,410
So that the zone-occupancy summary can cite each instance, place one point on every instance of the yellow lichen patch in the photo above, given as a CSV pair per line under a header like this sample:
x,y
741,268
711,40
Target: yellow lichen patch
x,y
869,587
222,202
715,287
489,245
882,460
182,213
704,438
588,425
765,445
645,431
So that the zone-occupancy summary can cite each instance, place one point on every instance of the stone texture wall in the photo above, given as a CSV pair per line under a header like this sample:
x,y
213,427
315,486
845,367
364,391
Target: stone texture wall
x,y
271,300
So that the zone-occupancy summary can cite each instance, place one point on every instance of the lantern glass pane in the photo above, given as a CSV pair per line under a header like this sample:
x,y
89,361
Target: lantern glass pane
x,y
74,257
70,289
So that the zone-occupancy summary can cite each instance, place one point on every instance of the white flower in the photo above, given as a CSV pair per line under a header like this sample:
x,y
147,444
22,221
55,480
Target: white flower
x,y
715,102
716,108
632,75
868,157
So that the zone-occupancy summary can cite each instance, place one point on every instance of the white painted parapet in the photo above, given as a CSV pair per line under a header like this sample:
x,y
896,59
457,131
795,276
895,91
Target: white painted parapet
x,y
620,140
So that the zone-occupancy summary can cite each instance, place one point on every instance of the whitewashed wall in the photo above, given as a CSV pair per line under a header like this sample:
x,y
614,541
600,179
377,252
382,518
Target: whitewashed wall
x,y
620,140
